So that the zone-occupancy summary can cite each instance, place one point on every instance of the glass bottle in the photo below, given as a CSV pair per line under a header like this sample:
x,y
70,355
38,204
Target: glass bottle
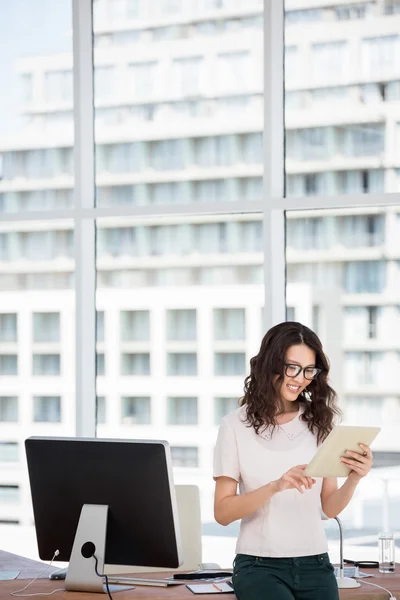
x,y
386,548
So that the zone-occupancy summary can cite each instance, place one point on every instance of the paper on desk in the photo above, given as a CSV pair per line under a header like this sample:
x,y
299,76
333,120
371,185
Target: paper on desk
x,y
209,588
5,575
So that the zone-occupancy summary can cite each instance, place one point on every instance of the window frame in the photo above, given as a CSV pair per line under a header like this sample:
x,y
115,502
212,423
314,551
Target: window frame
x,y
85,213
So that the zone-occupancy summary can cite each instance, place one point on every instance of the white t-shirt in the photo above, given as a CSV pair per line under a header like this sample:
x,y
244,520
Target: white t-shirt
x,y
290,523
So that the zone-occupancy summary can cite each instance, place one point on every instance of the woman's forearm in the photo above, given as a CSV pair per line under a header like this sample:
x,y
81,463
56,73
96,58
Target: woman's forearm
x,y
339,499
232,508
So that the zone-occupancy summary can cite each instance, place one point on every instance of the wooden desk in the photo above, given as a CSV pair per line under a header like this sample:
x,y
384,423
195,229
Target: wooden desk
x,y
30,568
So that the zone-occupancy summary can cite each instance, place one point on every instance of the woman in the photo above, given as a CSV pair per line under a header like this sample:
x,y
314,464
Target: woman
x,y
287,410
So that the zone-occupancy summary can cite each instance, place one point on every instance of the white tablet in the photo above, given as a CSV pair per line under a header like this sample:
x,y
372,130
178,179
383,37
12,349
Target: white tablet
x,y
327,463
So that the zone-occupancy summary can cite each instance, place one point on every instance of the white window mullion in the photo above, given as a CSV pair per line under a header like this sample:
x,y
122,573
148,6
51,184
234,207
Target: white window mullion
x,y
274,223
85,269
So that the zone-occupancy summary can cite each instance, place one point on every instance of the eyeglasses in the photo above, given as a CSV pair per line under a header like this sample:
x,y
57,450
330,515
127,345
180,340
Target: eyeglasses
x,y
308,372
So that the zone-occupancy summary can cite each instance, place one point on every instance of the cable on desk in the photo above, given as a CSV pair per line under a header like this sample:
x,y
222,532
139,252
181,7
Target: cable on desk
x,y
18,595
391,597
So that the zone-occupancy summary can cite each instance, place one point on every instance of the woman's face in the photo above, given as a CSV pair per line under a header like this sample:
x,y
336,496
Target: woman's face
x,y
298,355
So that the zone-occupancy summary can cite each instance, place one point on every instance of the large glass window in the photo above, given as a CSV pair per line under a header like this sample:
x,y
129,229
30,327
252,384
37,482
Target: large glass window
x,y
223,406
340,81
182,411
8,327
181,325
46,327
9,409
47,409
336,287
9,452
37,262
135,410
179,135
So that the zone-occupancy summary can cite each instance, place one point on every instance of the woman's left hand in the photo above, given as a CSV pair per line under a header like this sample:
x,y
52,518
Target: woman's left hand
x,y
359,463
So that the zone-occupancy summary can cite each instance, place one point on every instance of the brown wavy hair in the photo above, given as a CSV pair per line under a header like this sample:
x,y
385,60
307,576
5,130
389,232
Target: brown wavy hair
x,y
261,397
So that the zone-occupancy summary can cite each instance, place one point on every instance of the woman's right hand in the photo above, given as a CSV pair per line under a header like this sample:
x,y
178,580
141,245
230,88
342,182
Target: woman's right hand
x,y
294,479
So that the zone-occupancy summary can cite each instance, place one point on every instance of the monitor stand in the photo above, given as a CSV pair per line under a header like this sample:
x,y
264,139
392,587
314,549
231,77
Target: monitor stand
x,y
90,540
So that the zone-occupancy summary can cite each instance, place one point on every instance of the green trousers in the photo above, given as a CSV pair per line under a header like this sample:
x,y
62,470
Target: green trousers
x,y
301,578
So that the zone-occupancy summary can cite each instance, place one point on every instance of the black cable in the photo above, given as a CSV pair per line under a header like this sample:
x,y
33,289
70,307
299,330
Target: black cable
x,y
102,575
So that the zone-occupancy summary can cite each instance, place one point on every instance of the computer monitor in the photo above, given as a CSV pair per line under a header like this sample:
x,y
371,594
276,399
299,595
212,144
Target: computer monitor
x,y
116,494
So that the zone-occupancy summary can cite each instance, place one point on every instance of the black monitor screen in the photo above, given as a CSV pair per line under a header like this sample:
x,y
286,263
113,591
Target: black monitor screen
x,y
132,477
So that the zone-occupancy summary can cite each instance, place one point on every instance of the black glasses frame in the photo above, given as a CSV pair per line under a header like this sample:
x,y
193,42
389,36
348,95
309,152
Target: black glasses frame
x,y
300,369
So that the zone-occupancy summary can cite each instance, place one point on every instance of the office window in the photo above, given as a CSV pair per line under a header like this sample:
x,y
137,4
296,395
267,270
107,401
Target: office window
x,y
316,318
184,363
361,230
118,241
58,87
251,188
307,234
47,409
46,364
187,76
365,368
229,324
100,410
233,71
169,193
373,312
252,148
221,150
135,363
308,144
340,94
168,155
290,313
360,182
143,80
291,64
181,325
9,452
329,60
363,140
26,90
104,82
223,406
46,327
136,410
381,56
8,409
364,277
100,364
362,322
120,158
392,7
123,195
358,11
229,363
100,326
294,17
185,456
167,8
8,364
364,410
311,184
8,327
10,494
135,325
182,411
